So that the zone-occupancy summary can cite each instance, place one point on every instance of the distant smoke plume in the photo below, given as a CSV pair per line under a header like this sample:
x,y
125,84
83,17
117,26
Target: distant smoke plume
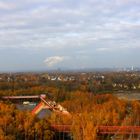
x,y
51,61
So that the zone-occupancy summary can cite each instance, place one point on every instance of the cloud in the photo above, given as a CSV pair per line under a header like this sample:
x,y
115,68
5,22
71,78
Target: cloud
x,y
51,61
6,6
103,49
60,24
69,28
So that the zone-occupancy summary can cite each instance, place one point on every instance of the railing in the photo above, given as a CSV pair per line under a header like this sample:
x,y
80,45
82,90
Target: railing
x,y
118,129
21,97
61,128
103,129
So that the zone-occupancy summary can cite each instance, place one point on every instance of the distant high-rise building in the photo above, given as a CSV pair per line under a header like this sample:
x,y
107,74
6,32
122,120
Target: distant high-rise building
x,y
132,68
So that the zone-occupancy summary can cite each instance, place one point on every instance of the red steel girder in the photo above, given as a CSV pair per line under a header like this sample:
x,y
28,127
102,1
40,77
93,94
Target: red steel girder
x,y
102,129
118,130
61,128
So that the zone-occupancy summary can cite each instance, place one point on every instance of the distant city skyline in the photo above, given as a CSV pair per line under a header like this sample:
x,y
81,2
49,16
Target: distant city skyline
x,y
40,35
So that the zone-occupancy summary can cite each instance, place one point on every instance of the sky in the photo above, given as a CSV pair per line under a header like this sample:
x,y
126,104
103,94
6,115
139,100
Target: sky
x,y
69,34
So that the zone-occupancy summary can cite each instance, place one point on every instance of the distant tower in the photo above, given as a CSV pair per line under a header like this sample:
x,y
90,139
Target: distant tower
x,y
132,68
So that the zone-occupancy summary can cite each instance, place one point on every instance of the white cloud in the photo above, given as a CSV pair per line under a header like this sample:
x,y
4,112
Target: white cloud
x,y
51,61
71,28
6,6
60,24
103,49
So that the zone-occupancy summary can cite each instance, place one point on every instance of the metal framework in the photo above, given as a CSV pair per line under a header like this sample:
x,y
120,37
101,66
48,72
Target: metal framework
x,y
44,104
61,128
53,106
102,130
118,129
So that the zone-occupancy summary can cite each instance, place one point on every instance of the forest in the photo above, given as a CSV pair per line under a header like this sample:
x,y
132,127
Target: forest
x,y
88,110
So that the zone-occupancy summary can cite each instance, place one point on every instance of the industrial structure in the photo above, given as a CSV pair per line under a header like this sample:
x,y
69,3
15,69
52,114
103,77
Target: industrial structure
x,y
101,130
